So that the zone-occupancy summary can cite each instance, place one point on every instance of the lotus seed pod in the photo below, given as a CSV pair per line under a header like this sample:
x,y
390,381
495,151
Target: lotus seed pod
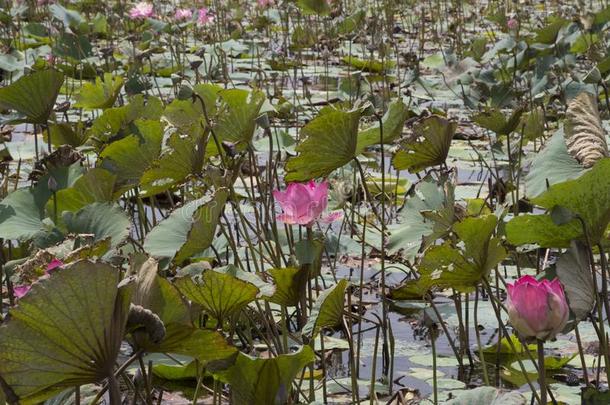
x,y
584,135
145,323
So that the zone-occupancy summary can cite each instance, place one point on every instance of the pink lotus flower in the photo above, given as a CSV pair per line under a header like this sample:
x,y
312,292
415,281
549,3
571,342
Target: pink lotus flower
x,y
265,3
183,14
303,204
512,24
204,17
141,10
21,290
537,308
50,59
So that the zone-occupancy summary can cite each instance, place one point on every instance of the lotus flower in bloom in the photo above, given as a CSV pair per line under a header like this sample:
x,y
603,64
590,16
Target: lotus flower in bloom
x,y
537,308
183,14
303,204
265,3
141,10
21,290
204,17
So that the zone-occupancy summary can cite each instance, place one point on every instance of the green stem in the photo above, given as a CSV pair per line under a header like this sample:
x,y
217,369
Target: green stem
x,y
434,384
541,372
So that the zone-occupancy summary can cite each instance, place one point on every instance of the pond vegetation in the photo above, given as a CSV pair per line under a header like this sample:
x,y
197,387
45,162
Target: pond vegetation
x,y
304,201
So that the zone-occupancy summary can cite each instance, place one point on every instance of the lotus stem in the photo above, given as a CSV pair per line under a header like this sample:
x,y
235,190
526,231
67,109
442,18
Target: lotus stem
x,y
541,372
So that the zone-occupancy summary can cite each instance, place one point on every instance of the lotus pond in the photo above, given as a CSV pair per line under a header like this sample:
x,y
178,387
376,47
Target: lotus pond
x,y
304,202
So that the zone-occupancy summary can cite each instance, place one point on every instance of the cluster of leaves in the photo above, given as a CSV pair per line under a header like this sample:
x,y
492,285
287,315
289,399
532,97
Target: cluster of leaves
x,y
140,200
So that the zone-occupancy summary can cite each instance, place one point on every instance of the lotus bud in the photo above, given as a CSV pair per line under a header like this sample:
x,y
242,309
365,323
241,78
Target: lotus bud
x,y
537,309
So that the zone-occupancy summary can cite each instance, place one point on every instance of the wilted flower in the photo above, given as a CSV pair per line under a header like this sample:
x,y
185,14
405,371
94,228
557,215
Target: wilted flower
x,y
303,204
21,290
54,265
205,17
183,14
537,308
141,10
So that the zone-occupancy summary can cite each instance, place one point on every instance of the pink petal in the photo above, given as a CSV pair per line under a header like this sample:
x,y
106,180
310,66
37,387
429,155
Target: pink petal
x,y
332,217
54,265
320,194
21,290
298,200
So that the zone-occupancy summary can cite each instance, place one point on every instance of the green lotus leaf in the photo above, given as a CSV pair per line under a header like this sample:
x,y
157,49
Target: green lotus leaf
x,y
392,123
319,7
22,212
128,158
220,294
432,140
327,311
116,123
33,95
102,220
574,272
236,117
67,331
330,143
462,267
161,297
101,94
64,133
290,285
256,381
495,121
552,165
183,158
188,230
96,185
586,197
416,230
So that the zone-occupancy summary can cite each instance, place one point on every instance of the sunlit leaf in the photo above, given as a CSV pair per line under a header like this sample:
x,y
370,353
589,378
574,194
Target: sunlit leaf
x,y
429,146
415,230
237,116
183,158
162,298
320,7
330,143
220,294
96,185
290,285
118,122
495,121
128,158
188,230
33,96
587,197
101,94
